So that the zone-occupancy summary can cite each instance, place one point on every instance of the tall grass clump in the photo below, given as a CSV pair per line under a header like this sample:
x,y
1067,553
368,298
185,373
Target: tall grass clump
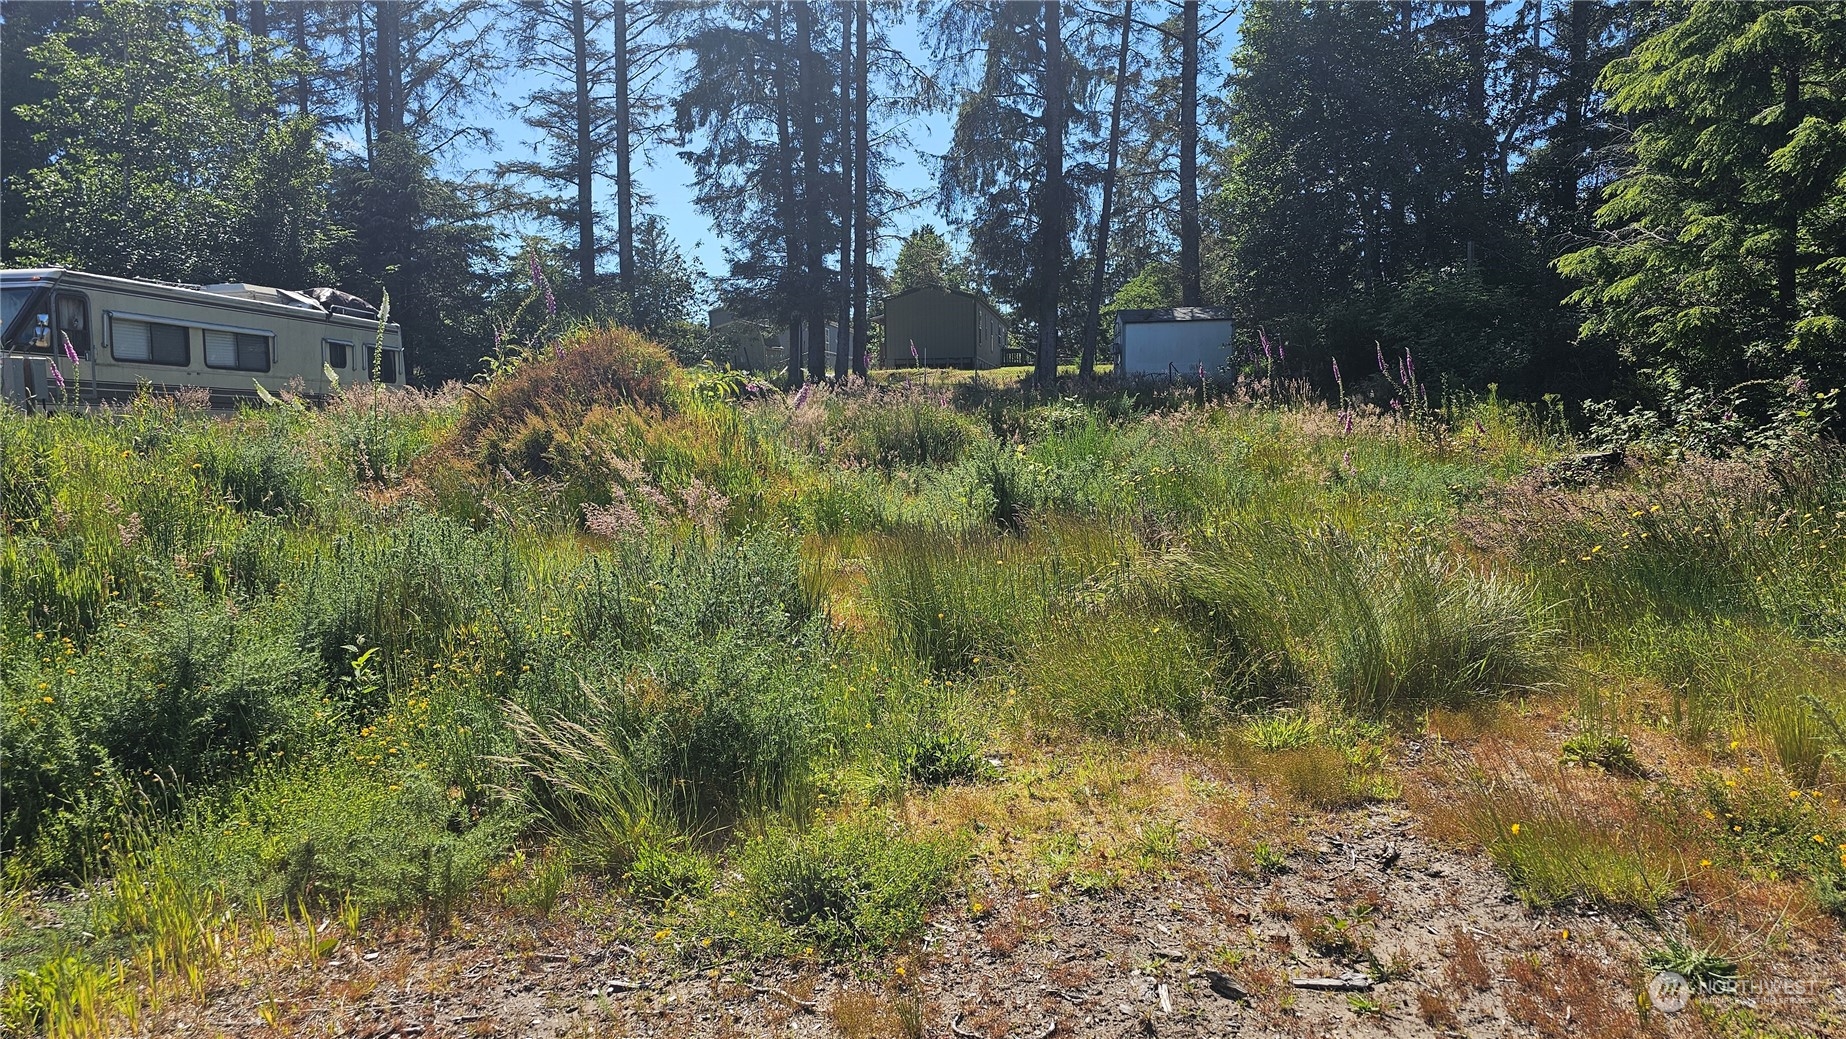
x,y
402,589
906,427
688,690
1121,671
1380,630
1555,849
949,599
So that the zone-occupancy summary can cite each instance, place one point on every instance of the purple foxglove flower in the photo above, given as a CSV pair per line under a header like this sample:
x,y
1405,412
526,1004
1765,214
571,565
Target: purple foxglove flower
x,y
1346,422
1383,368
1263,337
1346,459
801,395
57,376
1396,405
69,350
913,352
1337,381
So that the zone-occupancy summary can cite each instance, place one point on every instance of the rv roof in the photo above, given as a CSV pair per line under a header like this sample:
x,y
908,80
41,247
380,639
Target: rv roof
x,y
265,293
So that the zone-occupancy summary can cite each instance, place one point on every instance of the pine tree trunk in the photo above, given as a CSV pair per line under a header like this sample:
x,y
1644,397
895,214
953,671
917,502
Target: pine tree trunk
x,y
624,158
842,361
1051,206
785,168
585,149
304,90
813,303
1086,366
1576,101
388,68
1788,254
862,196
1477,96
1189,276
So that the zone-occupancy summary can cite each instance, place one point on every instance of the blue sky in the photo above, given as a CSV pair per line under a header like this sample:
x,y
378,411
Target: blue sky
x,y
667,178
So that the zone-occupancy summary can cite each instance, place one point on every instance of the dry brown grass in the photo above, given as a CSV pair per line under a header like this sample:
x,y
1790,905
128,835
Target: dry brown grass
x,y
1572,995
1463,963
1435,1010
867,1014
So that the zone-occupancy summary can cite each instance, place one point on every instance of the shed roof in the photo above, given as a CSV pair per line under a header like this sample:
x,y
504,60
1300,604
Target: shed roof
x,y
1141,317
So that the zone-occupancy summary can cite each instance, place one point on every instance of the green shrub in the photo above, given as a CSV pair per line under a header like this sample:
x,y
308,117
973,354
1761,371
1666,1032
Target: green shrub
x,y
846,887
322,833
938,754
664,872
172,699
403,589
262,466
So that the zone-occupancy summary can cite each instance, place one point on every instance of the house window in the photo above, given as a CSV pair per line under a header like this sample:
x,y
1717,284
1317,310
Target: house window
x,y
150,342
241,351
74,321
339,354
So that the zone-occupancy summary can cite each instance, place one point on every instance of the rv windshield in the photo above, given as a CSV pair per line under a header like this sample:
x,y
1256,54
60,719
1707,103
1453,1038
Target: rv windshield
x,y
11,299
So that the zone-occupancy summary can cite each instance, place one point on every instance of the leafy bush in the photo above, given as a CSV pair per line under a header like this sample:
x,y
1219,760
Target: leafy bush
x,y
189,693
938,754
322,833
262,467
403,589
845,887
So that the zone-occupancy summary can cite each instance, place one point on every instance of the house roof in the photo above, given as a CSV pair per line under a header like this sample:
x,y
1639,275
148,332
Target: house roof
x,y
1142,317
982,300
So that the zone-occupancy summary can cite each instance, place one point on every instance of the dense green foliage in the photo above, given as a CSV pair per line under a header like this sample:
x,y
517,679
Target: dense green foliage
x,y
1724,260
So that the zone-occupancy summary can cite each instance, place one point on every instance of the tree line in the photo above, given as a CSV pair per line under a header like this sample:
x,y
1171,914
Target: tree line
x,y
1591,197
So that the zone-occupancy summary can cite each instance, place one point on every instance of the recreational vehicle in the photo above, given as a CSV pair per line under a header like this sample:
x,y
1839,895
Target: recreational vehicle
x,y
125,334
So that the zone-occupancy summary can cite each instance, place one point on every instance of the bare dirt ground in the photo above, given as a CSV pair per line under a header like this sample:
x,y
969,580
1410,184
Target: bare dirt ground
x,y
1430,938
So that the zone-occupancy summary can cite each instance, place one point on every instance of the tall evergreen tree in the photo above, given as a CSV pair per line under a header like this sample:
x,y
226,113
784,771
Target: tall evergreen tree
x,y
1721,255
563,42
1002,181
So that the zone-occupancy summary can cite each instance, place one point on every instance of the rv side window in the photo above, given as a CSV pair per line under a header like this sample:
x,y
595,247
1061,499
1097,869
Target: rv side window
x,y
337,354
387,365
74,321
150,342
241,351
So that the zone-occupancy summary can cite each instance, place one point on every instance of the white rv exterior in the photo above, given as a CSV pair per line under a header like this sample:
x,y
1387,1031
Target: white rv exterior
x,y
129,334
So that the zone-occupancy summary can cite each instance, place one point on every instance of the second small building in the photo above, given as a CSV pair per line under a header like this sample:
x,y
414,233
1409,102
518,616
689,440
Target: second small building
x,y
931,326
